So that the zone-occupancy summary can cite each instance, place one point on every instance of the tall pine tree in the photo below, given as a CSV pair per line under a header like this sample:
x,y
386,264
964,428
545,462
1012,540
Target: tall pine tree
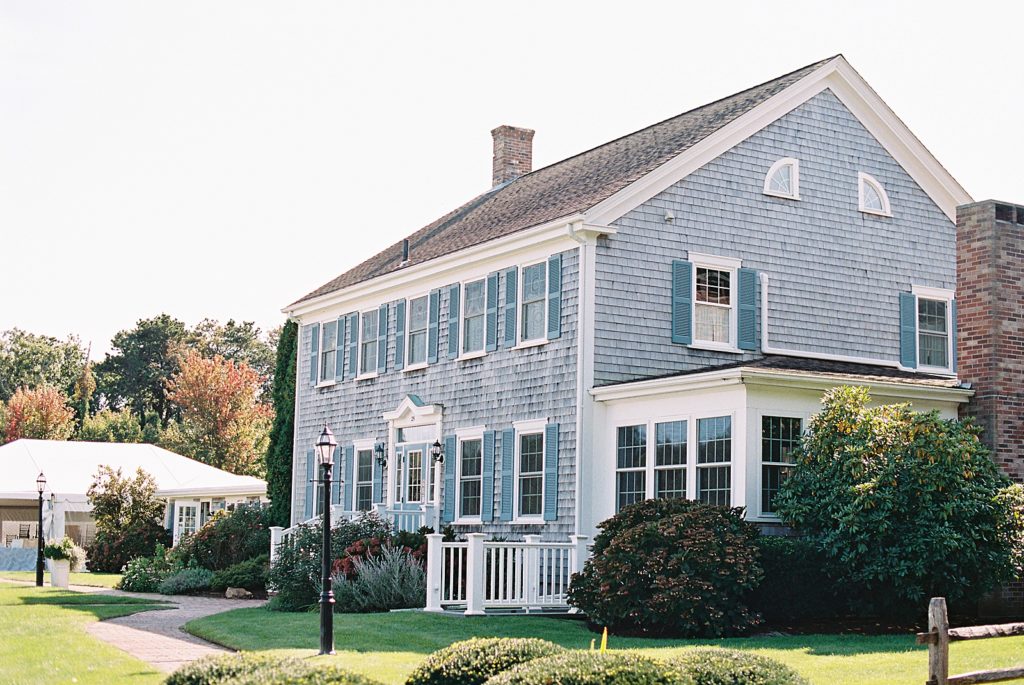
x,y
282,435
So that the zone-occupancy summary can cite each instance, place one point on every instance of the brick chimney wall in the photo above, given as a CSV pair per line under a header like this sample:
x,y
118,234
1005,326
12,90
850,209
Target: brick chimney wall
x,y
990,324
513,153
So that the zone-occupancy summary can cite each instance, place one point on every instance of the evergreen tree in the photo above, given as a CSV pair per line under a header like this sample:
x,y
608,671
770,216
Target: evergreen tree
x,y
282,435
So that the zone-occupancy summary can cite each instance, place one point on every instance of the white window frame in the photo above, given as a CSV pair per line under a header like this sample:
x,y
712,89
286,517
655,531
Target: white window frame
x,y
408,336
463,353
652,456
691,490
322,382
522,342
863,178
179,506
521,428
461,436
922,292
364,445
794,178
365,375
759,479
717,263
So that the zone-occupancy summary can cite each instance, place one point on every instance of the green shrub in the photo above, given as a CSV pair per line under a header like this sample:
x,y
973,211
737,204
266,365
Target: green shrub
x,y
731,667
145,574
295,574
129,518
261,669
250,574
904,505
186,581
229,538
671,567
590,668
796,584
391,580
112,549
472,662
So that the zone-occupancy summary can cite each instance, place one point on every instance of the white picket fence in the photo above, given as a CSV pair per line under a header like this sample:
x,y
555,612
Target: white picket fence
x,y
527,575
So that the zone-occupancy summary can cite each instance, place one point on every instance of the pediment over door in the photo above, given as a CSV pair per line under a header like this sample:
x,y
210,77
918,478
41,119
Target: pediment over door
x,y
413,411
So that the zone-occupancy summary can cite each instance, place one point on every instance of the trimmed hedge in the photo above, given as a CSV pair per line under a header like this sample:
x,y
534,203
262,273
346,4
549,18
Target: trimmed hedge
x,y
472,662
229,538
714,666
247,668
250,574
591,668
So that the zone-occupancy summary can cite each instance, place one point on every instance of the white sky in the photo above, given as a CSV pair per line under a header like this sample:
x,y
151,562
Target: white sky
x,y
222,159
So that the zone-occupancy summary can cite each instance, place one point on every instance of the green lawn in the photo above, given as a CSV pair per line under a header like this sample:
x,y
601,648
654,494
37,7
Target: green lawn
x,y
388,646
85,578
44,639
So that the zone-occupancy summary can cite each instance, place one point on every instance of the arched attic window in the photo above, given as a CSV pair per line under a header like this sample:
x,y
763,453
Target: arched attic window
x,y
783,179
872,198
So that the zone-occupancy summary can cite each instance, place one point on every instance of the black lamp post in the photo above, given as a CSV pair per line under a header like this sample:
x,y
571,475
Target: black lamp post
x,y
325,457
437,452
40,486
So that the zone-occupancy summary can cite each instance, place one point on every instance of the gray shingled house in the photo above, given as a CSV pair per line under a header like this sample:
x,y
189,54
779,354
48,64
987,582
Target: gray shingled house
x,y
655,317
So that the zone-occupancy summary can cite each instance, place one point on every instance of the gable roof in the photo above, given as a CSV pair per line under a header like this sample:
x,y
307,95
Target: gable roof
x,y
566,187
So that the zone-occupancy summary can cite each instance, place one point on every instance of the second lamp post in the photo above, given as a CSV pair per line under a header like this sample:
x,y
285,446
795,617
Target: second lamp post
x,y
325,456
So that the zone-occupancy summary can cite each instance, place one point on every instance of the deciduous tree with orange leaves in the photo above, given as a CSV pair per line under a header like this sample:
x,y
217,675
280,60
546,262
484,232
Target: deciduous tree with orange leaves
x,y
42,413
223,423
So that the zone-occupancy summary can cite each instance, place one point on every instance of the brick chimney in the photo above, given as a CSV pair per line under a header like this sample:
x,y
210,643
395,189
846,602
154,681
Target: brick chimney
x,y
513,153
990,324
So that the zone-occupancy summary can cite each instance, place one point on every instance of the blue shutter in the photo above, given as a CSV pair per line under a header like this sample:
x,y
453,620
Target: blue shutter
x,y
308,511
378,480
336,476
746,324
382,338
487,479
682,302
454,315
554,296
339,369
434,302
448,510
551,472
491,343
314,351
952,330
347,474
173,522
353,345
511,292
508,448
399,334
908,330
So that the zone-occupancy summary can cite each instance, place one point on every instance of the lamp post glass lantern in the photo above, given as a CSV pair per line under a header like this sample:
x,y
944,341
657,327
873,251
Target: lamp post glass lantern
x,y
325,446
40,487
437,452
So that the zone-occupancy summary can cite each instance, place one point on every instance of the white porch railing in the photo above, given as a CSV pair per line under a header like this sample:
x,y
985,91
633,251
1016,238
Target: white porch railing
x,y
529,575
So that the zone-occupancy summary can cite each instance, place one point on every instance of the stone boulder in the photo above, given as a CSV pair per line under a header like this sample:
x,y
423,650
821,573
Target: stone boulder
x,y
238,593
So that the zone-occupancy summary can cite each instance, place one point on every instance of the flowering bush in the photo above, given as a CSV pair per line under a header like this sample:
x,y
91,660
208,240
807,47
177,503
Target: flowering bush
x,y
671,567
144,574
228,538
112,549
65,549
473,662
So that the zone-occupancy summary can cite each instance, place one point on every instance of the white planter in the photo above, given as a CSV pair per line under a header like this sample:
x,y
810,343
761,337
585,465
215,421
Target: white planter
x,y
60,572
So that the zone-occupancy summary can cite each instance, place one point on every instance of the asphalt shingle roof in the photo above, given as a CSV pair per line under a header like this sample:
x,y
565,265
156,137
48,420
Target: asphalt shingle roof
x,y
567,187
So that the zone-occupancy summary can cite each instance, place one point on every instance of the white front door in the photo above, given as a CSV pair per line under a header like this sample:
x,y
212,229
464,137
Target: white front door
x,y
411,475
186,515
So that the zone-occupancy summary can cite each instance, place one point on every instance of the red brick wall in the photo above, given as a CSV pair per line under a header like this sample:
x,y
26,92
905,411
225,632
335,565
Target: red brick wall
x,y
513,153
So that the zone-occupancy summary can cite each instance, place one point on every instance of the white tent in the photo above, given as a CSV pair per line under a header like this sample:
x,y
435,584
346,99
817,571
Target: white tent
x,y
193,490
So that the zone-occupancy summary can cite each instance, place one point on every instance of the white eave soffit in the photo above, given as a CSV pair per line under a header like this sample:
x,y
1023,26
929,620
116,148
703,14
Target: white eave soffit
x,y
852,90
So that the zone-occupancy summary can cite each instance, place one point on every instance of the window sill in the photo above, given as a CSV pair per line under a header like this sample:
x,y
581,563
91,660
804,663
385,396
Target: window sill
x,y
527,344
937,371
325,384
467,522
415,367
875,212
527,522
780,195
715,347
367,376
467,356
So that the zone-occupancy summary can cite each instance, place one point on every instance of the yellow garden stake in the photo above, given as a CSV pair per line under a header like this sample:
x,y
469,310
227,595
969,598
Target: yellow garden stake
x,y
604,641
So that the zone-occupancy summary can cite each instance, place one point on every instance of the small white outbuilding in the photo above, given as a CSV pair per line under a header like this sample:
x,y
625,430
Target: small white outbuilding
x,y
193,490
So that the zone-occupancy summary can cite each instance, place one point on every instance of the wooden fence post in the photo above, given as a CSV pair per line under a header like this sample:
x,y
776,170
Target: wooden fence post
x,y
476,573
435,571
938,650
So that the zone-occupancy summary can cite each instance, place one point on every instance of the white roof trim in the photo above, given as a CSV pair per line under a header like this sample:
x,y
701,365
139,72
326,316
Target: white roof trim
x,y
852,90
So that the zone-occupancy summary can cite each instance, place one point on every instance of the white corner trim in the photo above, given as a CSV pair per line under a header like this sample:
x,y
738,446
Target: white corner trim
x,y
930,293
530,425
701,259
794,178
864,179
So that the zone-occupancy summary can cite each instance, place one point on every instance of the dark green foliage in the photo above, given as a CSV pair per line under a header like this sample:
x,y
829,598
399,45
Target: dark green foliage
x,y
904,505
731,667
590,668
796,586
250,574
472,662
31,361
671,567
295,574
254,668
128,519
186,581
282,434
144,574
111,550
228,538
